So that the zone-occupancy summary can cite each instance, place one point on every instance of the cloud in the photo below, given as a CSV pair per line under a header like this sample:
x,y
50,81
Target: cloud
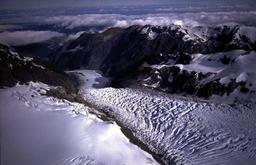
x,y
71,22
18,38
115,20
74,36
186,19
9,27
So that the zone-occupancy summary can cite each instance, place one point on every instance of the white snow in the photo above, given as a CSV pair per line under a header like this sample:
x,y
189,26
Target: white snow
x,y
242,77
38,66
241,68
40,130
28,58
150,34
210,62
90,78
225,80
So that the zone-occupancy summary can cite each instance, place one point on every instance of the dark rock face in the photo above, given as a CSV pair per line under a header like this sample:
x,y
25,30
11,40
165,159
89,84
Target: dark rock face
x,y
184,59
88,51
14,68
172,79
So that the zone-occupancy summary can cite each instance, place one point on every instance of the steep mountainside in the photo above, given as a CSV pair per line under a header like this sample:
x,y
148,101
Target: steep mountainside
x,y
204,61
14,68
116,50
229,74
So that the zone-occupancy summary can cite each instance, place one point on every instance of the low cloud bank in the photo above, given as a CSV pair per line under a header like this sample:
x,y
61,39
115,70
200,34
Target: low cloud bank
x,y
186,19
74,25
18,38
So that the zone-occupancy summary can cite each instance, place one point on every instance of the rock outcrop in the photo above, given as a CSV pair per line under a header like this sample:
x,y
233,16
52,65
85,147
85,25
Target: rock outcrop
x,y
117,51
16,69
133,53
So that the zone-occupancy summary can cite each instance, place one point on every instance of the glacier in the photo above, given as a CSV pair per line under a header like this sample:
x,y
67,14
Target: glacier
x,y
37,129
182,130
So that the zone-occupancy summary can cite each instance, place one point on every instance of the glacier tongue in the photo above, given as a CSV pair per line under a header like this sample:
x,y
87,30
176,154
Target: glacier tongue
x,y
183,131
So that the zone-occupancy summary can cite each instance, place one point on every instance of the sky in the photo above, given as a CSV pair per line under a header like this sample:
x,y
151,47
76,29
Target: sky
x,y
21,4
81,3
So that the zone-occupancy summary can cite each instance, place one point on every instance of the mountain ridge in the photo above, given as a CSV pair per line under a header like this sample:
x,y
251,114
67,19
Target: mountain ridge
x,y
131,54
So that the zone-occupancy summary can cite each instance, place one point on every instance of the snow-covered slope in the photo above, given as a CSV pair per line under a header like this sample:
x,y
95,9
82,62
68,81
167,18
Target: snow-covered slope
x,y
230,75
182,130
36,129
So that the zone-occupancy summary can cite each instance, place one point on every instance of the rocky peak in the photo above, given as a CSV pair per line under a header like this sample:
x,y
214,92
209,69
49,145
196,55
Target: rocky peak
x,y
117,51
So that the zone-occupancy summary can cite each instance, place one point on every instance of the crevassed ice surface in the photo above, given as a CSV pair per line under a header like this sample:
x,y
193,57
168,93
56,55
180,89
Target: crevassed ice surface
x,y
182,130
41,130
